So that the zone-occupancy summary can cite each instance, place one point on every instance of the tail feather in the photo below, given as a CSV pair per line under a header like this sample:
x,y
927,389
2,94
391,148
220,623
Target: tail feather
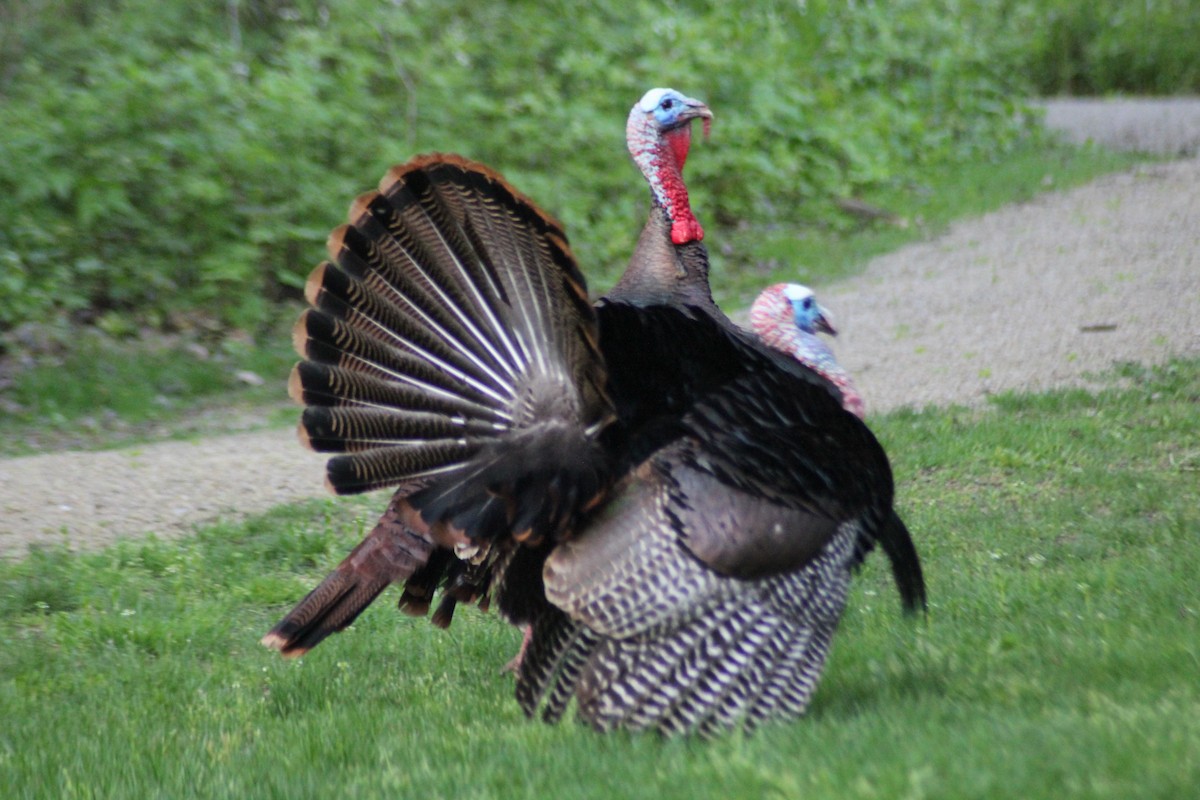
x,y
451,339
398,546
451,243
338,294
382,467
324,339
417,231
340,430
394,272
317,384
452,351
445,310
897,543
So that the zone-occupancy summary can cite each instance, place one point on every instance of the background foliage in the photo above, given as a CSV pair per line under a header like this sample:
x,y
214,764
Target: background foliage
x,y
1106,46
160,158
172,164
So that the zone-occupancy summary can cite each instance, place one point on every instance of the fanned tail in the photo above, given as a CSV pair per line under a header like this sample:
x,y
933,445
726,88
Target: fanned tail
x,y
451,350
451,342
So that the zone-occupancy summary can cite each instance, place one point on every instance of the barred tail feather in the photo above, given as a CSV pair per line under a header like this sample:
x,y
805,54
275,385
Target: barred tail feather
x,y
324,339
315,384
398,546
382,467
335,293
451,342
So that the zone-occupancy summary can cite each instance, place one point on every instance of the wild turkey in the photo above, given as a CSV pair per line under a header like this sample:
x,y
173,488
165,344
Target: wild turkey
x,y
672,505
788,317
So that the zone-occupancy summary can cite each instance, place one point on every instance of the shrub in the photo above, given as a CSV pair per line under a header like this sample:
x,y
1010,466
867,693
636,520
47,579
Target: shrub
x,y
1108,46
160,157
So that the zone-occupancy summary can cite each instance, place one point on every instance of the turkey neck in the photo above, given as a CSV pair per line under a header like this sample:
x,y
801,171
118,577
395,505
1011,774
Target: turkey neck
x,y
664,273
670,263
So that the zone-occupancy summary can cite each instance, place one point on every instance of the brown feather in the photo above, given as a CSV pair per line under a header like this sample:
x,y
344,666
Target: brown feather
x,y
399,544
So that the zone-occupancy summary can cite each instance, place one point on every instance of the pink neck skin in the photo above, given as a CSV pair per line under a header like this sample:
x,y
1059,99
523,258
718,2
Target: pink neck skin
x,y
771,318
661,159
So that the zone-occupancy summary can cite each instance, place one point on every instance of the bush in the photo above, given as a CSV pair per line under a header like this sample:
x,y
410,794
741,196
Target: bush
x,y
160,157
1109,46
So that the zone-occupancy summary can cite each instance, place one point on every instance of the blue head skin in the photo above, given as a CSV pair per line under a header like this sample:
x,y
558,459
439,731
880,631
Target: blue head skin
x,y
788,317
810,316
671,108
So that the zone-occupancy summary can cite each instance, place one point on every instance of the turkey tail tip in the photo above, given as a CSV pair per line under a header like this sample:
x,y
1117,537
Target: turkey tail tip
x,y
295,384
336,241
277,641
316,280
300,333
361,206
429,163
398,173
307,443
393,176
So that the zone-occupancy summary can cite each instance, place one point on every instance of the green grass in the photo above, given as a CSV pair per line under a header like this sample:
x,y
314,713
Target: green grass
x,y
103,392
1059,658
99,391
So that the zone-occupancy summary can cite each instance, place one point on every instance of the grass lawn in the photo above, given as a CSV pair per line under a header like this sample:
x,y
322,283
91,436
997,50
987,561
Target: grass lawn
x,y
1059,659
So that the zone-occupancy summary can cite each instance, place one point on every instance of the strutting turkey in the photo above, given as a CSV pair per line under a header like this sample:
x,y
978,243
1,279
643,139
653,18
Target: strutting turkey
x,y
673,506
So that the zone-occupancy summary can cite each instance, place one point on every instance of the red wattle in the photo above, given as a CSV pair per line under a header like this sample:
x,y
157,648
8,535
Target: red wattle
x,y
679,140
686,230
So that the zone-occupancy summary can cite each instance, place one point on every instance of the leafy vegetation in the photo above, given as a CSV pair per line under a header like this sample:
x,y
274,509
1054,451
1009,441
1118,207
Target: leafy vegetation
x,y
1058,659
160,158
1105,47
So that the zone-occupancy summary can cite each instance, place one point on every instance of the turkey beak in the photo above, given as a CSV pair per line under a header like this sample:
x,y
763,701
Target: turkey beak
x,y
824,321
697,110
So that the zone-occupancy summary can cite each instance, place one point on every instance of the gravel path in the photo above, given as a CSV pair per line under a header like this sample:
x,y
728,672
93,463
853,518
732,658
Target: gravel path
x,y
1029,297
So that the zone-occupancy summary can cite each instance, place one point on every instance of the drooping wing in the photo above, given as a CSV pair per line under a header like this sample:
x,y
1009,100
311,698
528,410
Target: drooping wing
x,y
754,480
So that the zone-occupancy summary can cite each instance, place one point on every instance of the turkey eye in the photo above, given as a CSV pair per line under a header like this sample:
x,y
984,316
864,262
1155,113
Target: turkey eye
x,y
668,104
808,302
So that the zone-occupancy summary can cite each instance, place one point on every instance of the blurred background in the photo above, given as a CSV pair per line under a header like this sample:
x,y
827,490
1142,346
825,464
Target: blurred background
x,y
170,168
